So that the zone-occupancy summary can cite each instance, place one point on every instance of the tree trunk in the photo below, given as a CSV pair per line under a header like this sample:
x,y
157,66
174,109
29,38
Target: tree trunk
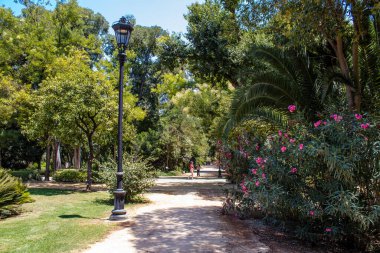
x,y
356,74
54,156
89,162
0,159
58,162
339,52
47,171
76,158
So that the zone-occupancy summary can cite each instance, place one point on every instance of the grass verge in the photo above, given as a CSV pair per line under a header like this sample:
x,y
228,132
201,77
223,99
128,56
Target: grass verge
x,y
58,221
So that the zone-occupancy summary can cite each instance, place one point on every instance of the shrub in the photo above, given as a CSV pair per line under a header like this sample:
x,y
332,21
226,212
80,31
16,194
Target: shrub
x,y
70,175
12,194
138,176
26,174
177,172
322,177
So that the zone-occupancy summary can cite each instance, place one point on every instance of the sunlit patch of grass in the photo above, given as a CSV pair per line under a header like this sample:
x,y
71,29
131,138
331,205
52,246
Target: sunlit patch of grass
x,y
58,221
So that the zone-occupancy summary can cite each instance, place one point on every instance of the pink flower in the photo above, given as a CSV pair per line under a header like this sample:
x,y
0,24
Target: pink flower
x,y
364,126
279,133
260,160
301,146
263,176
339,118
325,123
292,140
358,116
243,187
293,170
311,213
316,124
336,117
292,108
254,171
283,149
257,183
286,135
328,229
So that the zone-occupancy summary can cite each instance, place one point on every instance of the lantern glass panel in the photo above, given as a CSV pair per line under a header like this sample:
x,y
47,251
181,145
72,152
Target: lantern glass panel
x,y
122,32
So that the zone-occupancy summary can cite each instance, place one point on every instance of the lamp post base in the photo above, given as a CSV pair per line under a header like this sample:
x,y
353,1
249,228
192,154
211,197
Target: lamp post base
x,y
118,213
118,217
219,173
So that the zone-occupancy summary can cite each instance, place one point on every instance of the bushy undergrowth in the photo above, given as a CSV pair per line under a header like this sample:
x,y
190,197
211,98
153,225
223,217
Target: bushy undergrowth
x,y
70,175
177,172
325,178
138,176
12,194
26,174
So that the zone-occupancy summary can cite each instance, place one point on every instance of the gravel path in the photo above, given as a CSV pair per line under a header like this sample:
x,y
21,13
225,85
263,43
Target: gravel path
x,y
182,217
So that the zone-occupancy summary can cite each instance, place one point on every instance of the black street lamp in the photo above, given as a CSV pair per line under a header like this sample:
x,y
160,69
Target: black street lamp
x,y
123,30
219,165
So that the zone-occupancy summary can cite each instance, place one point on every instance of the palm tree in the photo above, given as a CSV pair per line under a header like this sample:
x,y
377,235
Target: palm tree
x,y
289,79
370,70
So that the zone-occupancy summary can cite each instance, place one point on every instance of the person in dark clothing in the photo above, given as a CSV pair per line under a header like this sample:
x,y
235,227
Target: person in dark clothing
x,y
198,170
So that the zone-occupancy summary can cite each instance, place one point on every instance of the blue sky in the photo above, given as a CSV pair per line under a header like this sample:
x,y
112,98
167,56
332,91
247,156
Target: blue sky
x,y
165,13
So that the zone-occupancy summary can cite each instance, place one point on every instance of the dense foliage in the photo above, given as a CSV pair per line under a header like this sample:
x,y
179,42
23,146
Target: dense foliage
x,y
12,194
70,175
321,177
26,174
313,165
138,176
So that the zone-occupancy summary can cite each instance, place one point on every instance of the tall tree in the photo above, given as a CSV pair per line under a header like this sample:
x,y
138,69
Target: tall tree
x,y
144,71
340,25
213,34
89,104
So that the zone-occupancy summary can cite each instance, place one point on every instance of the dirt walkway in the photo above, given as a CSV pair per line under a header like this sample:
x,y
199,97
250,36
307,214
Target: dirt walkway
x,y
184,216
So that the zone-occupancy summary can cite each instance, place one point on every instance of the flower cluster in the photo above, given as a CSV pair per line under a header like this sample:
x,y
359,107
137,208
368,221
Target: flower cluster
x,y
292,108
336,117
300,172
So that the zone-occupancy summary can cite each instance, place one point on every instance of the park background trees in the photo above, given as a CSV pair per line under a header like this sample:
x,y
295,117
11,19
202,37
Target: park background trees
x,y
242,72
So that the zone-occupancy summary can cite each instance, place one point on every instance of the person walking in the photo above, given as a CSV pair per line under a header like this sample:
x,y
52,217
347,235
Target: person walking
x,y
198,170
191,167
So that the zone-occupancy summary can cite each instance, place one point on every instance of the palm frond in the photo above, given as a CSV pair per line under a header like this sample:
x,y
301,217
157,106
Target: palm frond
x,y
268,114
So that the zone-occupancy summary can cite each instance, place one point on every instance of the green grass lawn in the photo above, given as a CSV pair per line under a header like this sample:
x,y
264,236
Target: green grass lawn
x,y
58,221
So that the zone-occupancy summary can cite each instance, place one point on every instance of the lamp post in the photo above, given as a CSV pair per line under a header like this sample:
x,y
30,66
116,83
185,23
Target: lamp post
x,y
219,171
123,30
219,150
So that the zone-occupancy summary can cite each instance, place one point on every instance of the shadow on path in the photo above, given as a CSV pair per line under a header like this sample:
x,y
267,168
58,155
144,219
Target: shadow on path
x,y
184,216
190,229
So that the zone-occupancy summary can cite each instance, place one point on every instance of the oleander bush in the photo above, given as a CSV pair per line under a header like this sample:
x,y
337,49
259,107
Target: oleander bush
x,y
70,175
13,193
138,176
323,178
